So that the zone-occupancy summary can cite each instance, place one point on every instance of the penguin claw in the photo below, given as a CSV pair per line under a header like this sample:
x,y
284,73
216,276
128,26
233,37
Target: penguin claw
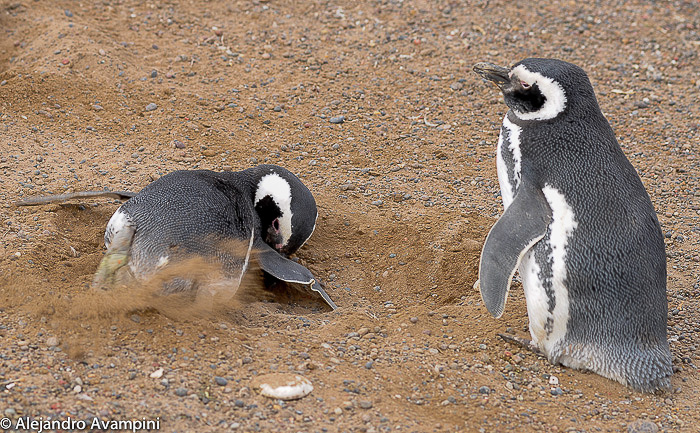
x,y
522,342
110,272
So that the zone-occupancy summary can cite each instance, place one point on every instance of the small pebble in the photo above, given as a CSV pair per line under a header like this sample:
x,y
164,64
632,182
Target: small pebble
x,y
557,391
52,341
365,404
485,390
221,381
181,392
151,107
642,426
337,119
68,13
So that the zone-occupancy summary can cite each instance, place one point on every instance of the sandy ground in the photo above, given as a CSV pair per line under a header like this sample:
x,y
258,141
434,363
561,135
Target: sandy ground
x,y
406,187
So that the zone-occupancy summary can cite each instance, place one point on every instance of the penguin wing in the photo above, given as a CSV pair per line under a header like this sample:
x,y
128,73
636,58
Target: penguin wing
x,y
288,271
521,226
35,201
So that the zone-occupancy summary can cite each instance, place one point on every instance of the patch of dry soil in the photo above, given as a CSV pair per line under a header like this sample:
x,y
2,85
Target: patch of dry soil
x,y
406,187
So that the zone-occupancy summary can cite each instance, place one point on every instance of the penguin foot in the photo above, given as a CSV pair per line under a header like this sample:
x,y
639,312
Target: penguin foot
x,y
522,342
108,274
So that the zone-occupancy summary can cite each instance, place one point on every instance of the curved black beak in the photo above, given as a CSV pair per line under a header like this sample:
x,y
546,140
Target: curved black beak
x,y
497,74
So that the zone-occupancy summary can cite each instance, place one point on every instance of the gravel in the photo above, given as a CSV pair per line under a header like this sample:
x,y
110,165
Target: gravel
x,y
421,141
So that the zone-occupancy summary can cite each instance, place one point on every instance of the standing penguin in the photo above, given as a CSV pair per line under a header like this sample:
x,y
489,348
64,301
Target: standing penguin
x,y
206,214
579,226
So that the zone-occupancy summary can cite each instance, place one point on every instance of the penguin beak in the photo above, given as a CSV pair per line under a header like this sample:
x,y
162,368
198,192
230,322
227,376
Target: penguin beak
x,y
496,74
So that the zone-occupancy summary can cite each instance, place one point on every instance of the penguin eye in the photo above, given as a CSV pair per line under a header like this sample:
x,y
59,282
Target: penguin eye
x,y
276,224
525,85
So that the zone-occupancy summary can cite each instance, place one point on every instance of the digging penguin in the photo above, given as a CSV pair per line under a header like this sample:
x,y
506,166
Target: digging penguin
x,y
579,226
263,214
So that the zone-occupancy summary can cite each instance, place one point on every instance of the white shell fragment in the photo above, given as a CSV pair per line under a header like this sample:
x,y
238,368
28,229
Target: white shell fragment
x,y
282,386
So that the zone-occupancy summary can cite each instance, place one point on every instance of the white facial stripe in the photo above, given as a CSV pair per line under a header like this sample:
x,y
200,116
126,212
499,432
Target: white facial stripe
x,y
552,91
561,228
276,187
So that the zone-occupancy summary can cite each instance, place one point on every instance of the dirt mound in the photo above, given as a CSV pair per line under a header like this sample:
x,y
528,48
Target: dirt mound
x,y
374,106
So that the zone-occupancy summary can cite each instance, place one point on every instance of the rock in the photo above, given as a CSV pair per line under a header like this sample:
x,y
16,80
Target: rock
x,y
68,13
456,86
553,380
337,119
157,374
52,341
151,107
556,391
178,144
642,426
485,390
283,386
365,404
181,392
221,381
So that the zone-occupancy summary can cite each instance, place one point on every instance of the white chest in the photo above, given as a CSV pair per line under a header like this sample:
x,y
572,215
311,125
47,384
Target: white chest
x,y
544,275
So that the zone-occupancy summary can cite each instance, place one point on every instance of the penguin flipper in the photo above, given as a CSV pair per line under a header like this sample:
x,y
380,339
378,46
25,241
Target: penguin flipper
x,y
289,271
35,201
521,226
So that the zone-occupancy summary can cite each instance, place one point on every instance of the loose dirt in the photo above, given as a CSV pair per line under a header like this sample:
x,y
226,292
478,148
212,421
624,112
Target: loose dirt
x,y
374,106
